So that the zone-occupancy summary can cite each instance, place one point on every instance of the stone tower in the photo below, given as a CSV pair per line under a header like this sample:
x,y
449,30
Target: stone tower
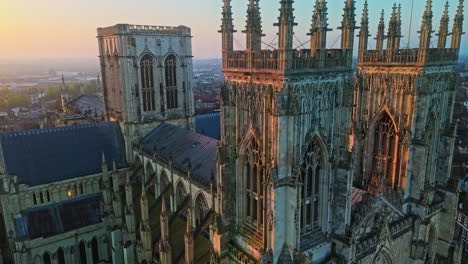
x,y
283,159
146,76
404,133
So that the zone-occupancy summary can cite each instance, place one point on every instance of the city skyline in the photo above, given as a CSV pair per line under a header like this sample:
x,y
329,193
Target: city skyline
x,y
30,30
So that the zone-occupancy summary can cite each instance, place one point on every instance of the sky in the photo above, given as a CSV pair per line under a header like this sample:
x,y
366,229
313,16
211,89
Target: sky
x,y
40,29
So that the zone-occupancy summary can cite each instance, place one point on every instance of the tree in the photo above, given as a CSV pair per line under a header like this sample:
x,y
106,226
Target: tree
x,y
53,93
19,100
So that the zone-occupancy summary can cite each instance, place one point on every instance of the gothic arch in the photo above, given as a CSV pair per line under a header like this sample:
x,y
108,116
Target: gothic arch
x,y
170,66
46,258
384,148
82,252
95,250
431,243
181,193
313,178
383,257
147,64
60,256
164,180
201,208
150,172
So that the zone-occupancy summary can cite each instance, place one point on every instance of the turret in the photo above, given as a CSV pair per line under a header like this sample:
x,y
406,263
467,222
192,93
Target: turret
x,y
348,25
164,243
380,32
364,30
443,29
189,241
286,25
145,230
227,31
319,29
253,27
394,29
426,27
457,31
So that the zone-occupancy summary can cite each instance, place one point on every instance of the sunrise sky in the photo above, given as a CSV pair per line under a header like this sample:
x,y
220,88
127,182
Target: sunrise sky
x,y
35,29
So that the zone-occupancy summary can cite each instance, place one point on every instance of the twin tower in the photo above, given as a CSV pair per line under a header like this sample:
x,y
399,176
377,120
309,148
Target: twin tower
x,y
319,163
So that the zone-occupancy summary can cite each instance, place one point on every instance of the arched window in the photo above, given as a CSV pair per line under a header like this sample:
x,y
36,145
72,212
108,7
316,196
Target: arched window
x,y
384,152
60,256
41,197
254,180
46,259
201,209
312,170
34,199
81,189
147,83
95,251
181,193
82,251
170,68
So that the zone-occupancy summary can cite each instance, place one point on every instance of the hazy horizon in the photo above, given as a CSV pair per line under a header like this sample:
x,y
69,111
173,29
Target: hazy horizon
x,y
60,30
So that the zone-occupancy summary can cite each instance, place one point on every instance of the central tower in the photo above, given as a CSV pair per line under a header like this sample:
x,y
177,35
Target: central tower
x,y
283,159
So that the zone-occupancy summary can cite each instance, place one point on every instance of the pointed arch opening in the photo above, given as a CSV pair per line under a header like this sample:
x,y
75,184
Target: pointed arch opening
x,y
60,256
181,193
147,83
95,251
431,150
312,175
201,209
254,179
164,180
46,258
170,74
385,158
82,252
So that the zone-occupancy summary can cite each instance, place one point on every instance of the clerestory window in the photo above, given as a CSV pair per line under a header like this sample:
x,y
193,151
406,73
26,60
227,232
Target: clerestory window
x,y
170,73
147,83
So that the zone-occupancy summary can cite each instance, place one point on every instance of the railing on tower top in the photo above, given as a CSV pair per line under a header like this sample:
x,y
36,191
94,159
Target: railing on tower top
x,y
408,57
277,60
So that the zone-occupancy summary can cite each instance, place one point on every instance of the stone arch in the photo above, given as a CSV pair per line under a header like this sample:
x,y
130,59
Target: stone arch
x,y
181,193
383,257
170,67
150,172
201,208
384,160
313,171
95,250
82,253
60,256
164,180
46,258
147,63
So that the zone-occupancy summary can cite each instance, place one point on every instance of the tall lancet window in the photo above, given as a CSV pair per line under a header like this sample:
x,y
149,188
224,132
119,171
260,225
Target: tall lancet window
x,y
311,174
254,183
147,83
431,146
384,152
170,72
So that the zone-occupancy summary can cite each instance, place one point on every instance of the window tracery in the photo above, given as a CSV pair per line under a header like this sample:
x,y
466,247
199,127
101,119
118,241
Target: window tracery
x,y
311,174
170,73
147,83
201,209
254,182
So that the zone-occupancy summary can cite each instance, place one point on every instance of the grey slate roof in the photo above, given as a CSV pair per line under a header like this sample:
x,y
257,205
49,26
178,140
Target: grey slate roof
x,y
84,103
55,154
209,125
183,145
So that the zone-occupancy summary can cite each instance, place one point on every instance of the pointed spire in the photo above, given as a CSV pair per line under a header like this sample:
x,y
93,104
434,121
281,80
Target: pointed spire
x,y
253,27
457,31
286,25
380,32
364,30
348,25
443,28
426,27
319,29
227,30
394,29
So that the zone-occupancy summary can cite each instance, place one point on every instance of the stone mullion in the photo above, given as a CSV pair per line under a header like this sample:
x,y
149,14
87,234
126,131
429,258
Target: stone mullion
x,y
394,161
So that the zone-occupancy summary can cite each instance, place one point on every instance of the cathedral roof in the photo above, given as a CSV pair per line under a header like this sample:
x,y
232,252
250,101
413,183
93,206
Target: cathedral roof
x,y
48,155
183,145
85,103
209,125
